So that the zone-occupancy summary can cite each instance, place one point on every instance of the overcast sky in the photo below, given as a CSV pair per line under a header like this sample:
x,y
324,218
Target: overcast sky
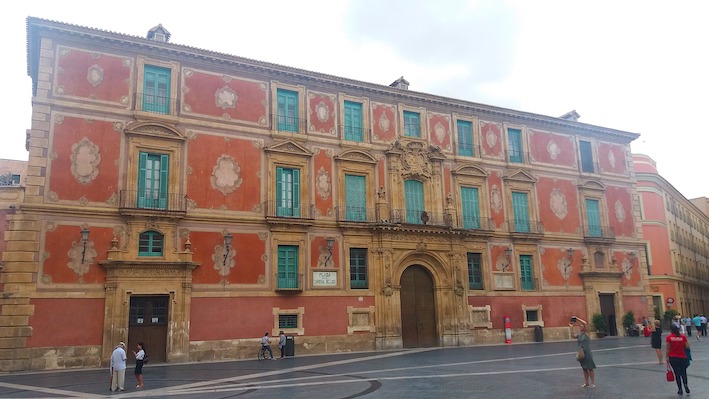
x,y
638,66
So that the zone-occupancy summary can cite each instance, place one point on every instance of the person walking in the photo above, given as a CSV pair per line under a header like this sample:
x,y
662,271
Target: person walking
x,y
282,343
656,339
677,345
703,324
139,361
587,363
687,321
118,367
266,344
697,325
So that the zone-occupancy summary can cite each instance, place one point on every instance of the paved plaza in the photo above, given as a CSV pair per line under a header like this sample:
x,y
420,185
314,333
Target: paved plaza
x,y
627,368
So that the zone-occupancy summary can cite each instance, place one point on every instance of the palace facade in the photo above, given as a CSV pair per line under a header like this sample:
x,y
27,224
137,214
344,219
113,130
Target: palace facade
x,y
194,200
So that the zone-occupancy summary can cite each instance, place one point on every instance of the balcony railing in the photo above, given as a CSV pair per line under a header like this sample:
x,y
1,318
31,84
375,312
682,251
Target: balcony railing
x,y
286,281
283,123
598,232
421,217
354,133
153,200
525,227
289,210
353,214
155,104
469,223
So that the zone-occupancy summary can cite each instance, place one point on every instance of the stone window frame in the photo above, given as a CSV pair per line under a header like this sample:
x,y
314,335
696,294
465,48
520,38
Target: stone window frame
x,y
352,313
538,309
300,330
480,310
475,131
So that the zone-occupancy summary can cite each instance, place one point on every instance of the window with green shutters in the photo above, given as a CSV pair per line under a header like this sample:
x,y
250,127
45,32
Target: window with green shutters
x,y
514,139
287,266
593,216
412,124
413,194
355,198
465,138
353,121
525,272
586,156
475,271
287,321
287,192
156,89
287,110
520,207
470,207
358,268
153,180
150,243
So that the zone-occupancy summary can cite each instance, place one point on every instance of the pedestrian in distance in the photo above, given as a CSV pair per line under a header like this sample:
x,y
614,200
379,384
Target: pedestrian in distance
x,y
139,361
703,321
687,321
587,363
282,343
697,325
677,345
118,367
656,339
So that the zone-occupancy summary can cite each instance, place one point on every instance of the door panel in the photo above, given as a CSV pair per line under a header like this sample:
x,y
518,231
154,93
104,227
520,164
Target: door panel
x,y
418,309
148,324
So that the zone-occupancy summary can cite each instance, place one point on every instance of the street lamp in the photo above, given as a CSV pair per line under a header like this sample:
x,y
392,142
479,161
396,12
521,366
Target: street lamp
x,y
330,242
84,239
508,259
227,246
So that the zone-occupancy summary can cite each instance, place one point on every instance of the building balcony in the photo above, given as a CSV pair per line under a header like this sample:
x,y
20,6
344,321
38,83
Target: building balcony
x,y
598,234
357,215
354,133
288,282
475,226
422,218
525,229
155,104
289,213
289,124
152,202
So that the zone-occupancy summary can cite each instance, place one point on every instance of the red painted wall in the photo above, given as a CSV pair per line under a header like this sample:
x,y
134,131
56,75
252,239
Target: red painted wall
x,y
68,132
323,121
204,152
491,140
553,149
612,158
85,316
637,306
439,129
200,90
497,198
73,71
383,123
554,261
252,316
560,195
556,311
619,211
57,244
323,182
250,253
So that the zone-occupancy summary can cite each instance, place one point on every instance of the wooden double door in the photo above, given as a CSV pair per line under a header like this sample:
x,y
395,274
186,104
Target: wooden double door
x,y
418,308
148,321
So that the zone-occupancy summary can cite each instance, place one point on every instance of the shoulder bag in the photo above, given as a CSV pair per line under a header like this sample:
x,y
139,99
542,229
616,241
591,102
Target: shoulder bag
x,y
580,354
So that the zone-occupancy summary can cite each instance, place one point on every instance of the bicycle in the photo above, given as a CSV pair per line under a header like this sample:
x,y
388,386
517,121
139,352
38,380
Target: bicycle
x,y
264,354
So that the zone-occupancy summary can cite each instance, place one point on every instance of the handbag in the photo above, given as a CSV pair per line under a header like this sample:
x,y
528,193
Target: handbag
x,y
580,354
670,374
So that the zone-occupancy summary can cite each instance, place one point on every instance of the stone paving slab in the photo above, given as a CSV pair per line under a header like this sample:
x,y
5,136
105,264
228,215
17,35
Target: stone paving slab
x,y
627,368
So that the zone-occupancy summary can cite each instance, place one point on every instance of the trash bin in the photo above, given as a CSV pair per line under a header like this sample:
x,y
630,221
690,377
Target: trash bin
x,y
290,346
538,334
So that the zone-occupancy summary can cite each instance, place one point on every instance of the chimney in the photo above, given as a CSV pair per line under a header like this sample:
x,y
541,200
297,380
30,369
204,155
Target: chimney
x,y
159,34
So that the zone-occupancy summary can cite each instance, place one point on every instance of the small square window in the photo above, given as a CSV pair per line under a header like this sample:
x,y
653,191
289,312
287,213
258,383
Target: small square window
x,y
532,316
288,321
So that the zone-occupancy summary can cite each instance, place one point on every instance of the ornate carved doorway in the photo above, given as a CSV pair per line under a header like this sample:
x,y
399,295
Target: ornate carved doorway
x,y
148,324
418,308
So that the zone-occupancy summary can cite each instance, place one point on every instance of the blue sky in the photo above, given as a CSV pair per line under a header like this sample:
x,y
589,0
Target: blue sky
x,y
639,66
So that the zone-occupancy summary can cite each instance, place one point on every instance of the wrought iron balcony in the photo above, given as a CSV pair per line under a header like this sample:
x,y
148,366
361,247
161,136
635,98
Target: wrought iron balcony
x,y
288,210
421,217
598,234
527,227
289,282
353,214
152,201
155,104
284,123
475,223
354,133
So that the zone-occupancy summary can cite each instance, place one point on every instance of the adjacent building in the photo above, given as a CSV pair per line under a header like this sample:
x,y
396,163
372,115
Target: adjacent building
x,y
677,236
194,200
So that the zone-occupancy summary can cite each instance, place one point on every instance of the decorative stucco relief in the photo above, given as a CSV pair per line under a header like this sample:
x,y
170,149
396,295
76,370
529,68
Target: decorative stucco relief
x,y
619,211
223,261
226,177
225,98
557,202
384,122
553,149
95,75
322,112
76,252
85,159
495,198
322,184
611,157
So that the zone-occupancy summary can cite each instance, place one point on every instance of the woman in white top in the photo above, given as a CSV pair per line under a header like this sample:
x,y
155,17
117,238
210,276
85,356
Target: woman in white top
x,y
139,361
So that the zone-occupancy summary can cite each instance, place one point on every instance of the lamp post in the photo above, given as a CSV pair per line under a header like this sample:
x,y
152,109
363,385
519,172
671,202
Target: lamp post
x,y
227,247
330,242
84,239
570,257
508,258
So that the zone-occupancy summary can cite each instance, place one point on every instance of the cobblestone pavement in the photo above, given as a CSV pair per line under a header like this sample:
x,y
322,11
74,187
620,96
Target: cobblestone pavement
x,y
627,368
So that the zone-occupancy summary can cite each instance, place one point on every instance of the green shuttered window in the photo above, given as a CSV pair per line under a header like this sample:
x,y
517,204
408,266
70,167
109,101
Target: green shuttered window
x,y
525,272
287,192
471,209
465,138
413,193
156,90
412,124
353,121
514,139
287,266
520,206
355,198
287,111
475,271
153,180
358,268
594,218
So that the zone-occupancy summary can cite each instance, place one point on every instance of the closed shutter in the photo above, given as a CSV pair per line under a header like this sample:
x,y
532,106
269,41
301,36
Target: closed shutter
x,y
355,198
520,207
471,210
413,193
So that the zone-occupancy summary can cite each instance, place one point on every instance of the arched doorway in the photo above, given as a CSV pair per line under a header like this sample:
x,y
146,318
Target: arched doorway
x,y
418,308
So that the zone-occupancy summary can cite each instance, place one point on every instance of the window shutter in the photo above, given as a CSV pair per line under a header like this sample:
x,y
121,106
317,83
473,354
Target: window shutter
x,y
142,194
